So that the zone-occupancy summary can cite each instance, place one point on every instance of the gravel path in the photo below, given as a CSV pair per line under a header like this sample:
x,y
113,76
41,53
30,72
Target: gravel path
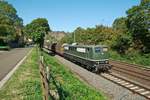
x,y
112,90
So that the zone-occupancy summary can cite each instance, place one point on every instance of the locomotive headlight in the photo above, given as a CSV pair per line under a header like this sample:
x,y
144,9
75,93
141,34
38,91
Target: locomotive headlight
x,y
102,53
98,62
106,61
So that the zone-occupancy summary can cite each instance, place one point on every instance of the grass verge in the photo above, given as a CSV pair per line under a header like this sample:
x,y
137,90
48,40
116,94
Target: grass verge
x,y
133,58
68,86
25,83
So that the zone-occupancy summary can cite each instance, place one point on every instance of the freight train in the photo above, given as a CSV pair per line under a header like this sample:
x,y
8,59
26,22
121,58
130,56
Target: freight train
x,y
93,57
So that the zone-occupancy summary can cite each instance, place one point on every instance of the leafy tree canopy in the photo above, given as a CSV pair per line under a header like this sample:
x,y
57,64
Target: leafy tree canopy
x,y
37,30
10,24
138,24
120,24
97,35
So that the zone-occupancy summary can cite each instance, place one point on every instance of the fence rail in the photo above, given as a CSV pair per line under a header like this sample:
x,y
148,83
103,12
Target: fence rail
x,y
44,78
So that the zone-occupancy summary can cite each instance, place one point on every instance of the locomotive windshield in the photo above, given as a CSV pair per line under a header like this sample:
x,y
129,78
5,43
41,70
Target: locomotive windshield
x,y
97,49
101,49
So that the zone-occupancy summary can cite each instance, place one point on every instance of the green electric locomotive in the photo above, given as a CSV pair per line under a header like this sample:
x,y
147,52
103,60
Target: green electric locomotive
x,y
94,57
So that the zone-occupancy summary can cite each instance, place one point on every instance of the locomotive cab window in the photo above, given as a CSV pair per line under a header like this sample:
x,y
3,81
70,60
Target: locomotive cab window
x,y
105,49
87,49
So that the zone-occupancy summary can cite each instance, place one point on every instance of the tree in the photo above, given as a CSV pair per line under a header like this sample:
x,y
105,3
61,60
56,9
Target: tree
x,y
10,24
120,24
138,23
67,39
37,30
122,43
143,2
77,35
123,40
96,35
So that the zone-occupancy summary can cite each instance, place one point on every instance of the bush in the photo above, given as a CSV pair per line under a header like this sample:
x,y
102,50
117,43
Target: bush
x,y
122,43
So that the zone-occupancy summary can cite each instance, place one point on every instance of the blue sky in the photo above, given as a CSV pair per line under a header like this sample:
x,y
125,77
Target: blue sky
x,y
67,15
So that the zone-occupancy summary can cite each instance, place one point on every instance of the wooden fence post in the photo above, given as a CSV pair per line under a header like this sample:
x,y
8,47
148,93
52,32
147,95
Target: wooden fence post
x,y
44,79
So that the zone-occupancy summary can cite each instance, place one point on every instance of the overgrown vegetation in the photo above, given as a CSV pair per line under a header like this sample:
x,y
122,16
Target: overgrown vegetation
x,y
133,58
67,85
25,84
129,36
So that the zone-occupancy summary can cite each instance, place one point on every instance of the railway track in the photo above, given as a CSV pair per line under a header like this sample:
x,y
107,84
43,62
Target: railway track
x,y
136,79
135,88
133,72
133,65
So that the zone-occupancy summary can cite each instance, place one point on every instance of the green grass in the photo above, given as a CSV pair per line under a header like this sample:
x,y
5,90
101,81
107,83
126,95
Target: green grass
x,y
25,83
133,58
67,84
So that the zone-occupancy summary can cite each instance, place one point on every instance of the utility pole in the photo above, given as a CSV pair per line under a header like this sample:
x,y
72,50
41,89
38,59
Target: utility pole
x,y
74,37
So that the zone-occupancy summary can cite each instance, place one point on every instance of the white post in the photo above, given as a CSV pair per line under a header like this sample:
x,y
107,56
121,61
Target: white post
x,y
42,59
47,72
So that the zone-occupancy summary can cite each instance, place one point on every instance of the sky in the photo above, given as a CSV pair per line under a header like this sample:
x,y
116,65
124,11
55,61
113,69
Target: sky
x,y
67,15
